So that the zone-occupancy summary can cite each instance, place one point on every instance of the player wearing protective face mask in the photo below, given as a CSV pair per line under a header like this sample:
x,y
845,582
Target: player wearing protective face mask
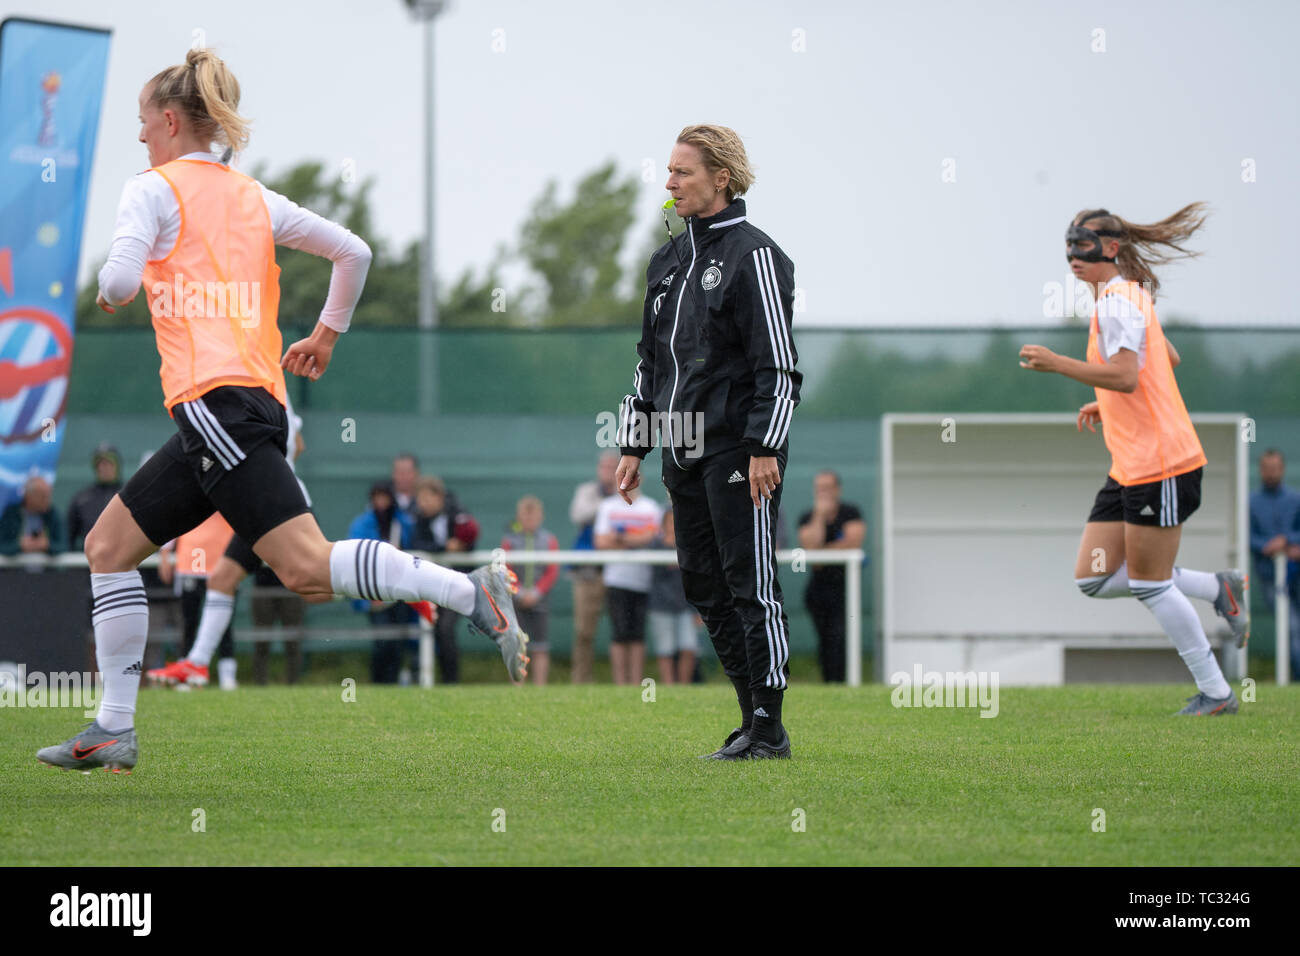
x,y
1156,458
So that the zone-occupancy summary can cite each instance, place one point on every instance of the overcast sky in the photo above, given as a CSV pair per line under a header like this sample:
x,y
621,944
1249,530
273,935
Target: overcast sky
x,y
854,114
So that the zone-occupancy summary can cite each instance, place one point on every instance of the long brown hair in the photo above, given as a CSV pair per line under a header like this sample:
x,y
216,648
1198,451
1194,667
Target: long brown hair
x,y
1142,247
207,94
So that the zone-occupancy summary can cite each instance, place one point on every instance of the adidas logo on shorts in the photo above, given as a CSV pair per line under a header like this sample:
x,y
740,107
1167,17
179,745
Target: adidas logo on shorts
x,y
207,463
735,477
1146,510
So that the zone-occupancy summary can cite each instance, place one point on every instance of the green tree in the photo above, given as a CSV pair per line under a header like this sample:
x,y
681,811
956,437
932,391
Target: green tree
x,y
304,278
134,314
571,253
574,249
479,303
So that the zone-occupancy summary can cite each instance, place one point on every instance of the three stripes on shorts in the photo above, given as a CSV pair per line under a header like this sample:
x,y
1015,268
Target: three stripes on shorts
x,y
218,440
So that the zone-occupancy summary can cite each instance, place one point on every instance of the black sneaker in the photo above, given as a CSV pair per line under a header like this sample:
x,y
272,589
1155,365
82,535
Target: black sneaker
x,y
762,750
733,749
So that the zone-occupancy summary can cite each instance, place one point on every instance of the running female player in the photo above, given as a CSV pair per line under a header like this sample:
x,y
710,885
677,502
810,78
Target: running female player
x,y
1133,532
202,238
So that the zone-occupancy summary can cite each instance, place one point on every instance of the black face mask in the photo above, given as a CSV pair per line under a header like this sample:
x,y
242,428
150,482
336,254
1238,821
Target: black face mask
x,y
1078,234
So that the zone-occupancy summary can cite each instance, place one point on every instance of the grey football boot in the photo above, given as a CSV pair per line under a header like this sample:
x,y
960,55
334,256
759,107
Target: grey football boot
x,y
494,617
1202,706
94,747
1231,604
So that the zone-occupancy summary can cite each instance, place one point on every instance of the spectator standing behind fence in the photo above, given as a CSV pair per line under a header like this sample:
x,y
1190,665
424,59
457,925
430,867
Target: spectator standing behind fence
x,y
674,623
624,525
1275,528
406,477
588,582
440,526
833,524
185,564
89,502
532,603
385,522
31,525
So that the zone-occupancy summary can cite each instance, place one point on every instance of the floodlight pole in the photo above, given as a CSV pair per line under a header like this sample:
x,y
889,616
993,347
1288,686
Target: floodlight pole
x,y
426,11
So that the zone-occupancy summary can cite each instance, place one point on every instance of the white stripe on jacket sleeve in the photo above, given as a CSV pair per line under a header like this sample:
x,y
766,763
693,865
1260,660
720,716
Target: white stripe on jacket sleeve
x,y
782,355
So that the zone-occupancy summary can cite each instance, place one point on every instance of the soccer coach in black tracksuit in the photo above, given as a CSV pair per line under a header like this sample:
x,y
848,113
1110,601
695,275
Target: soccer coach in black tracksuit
x,y
717,374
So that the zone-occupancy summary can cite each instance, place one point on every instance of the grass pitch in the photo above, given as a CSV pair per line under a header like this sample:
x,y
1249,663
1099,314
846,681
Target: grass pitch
x,y
594,775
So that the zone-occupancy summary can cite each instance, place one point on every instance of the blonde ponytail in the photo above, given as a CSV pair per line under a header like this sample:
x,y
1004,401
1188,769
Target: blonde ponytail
x,y
207,94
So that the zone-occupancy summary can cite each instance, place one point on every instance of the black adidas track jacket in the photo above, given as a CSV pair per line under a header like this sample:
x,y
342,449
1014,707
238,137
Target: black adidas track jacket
x,y
715,349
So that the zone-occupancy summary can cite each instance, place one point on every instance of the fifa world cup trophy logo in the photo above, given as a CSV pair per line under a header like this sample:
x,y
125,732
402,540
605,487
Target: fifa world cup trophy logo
x,y
50,86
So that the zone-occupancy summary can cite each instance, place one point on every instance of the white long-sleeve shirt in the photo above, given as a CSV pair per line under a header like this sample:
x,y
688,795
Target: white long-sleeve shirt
x,y
149,223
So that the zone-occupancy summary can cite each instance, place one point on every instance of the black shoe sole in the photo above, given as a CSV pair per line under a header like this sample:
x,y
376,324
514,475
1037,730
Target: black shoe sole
x,y
766,754
760,750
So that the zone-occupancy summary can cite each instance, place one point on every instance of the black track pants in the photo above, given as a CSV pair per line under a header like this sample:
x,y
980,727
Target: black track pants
x,y
727,552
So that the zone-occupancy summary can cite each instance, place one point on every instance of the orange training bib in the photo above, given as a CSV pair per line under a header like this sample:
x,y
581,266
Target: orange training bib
x,y
1148,431
214,298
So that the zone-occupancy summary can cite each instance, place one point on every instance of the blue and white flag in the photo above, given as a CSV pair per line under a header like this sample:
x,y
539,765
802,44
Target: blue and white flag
x,y
51,84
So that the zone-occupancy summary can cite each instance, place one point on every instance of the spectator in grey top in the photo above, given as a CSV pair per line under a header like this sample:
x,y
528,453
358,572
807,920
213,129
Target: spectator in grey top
x,y
674,624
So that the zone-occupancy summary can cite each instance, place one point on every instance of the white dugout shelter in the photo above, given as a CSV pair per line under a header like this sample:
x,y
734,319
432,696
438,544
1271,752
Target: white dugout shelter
x,y
981,517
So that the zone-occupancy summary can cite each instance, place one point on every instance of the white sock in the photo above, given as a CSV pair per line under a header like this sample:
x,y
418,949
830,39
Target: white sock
x,y
1197,584
218,609
1107,585
376,571
227,667
121,618
1178,619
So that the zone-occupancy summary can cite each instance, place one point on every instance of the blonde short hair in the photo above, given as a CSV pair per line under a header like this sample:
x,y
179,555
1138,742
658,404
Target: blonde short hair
x,y
432,484
721,148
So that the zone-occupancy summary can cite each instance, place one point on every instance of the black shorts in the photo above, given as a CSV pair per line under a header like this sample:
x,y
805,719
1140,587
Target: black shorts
x,y
1158,504
227,455
535,622
242,553
627,611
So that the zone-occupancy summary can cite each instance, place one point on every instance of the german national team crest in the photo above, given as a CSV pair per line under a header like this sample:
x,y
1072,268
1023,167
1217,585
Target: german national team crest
x,y
711,279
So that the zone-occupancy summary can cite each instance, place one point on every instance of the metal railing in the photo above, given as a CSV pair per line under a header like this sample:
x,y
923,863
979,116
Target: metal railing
x,y
851,559
1282,611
